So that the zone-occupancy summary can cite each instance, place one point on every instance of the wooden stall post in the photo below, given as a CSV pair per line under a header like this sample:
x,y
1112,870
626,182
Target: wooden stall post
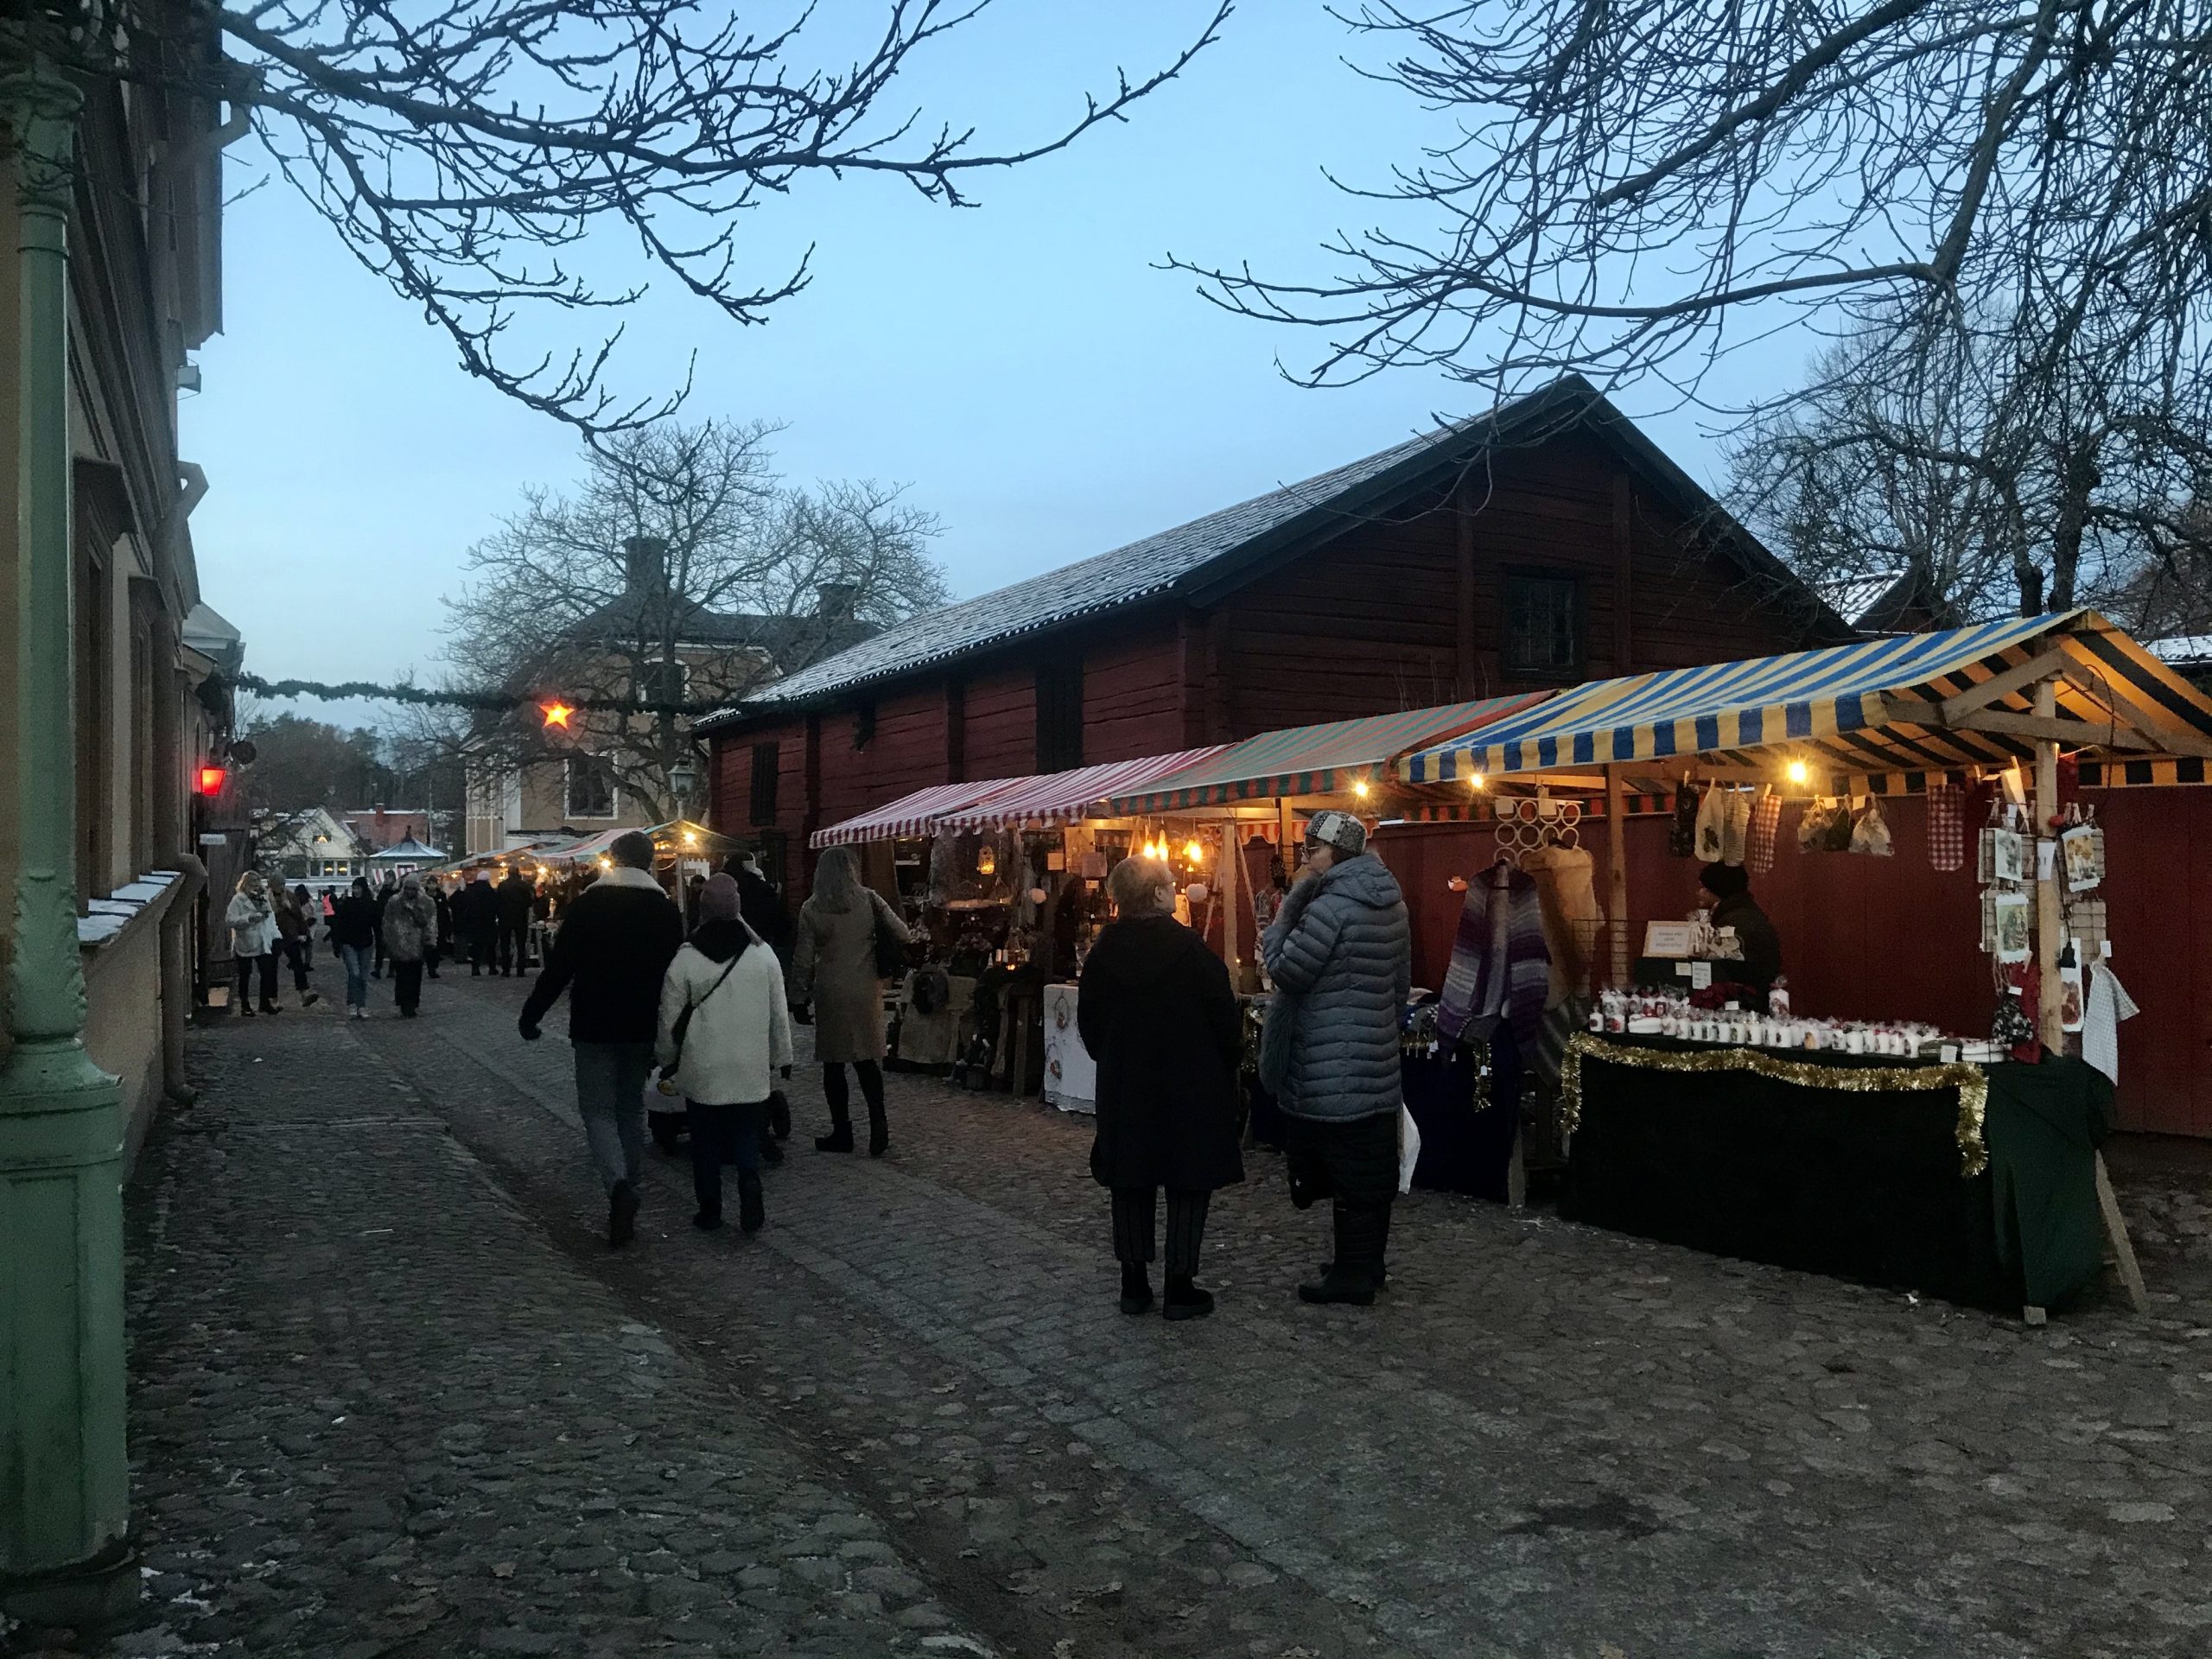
x,y
1225,887
2050,1021
1617,875
1286,846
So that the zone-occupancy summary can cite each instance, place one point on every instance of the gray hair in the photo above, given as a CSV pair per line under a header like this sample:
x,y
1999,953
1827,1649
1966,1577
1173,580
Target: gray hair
x,y
1135,886
838,880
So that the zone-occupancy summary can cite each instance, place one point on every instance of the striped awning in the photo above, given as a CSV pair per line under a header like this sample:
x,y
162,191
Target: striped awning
x,y
686,835
1304,760
918,813
1069,797
1912,704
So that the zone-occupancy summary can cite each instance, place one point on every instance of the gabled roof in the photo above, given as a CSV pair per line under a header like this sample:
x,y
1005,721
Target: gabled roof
x,y
1202,561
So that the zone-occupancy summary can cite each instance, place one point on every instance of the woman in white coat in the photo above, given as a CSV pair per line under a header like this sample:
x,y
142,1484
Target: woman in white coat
x,y
252,921
737,1038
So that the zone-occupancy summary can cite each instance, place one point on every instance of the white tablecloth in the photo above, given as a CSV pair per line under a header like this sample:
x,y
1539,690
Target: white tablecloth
x,y
1070,1079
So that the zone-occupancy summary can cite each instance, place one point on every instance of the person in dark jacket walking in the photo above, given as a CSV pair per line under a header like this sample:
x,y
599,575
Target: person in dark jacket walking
x,y
513,898
385,891
294,933
476,913
354,930
615,942
1158,1016
1340,952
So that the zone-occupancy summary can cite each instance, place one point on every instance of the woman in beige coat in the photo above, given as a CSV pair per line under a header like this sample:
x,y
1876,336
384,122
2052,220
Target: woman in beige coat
x,y
833,966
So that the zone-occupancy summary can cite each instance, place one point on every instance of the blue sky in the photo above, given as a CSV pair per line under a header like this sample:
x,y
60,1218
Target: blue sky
x,y
1024,366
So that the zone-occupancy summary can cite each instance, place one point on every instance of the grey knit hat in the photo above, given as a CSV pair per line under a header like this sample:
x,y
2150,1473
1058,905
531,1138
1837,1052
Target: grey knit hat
x,y
1340,830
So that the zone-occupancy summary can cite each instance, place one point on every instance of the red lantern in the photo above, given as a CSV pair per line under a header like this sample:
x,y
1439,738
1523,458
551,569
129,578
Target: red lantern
x,y
211,780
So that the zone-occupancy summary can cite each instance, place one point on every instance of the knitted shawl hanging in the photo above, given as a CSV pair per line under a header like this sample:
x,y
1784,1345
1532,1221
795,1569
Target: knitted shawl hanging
x,y
1513,980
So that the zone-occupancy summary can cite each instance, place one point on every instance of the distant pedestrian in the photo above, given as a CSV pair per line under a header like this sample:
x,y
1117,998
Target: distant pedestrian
x,y
770,918
515,897
1159,1017
290,915
354,930
442,902
736,1037
385,890
616,940
476,915
834,967
410,924
252,922
1340,952
310,905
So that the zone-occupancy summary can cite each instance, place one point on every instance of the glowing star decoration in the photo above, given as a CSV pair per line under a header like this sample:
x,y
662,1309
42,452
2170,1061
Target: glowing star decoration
x,y
557,713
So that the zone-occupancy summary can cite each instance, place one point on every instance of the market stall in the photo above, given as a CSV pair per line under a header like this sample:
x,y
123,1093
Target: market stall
x,y
1704,1113
1464,1101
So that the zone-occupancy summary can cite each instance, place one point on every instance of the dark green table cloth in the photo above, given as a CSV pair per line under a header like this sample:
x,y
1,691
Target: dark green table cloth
x,y
1858,1182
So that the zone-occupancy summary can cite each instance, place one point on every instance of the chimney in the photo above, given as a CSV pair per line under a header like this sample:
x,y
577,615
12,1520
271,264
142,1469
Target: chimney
x,y
835,600
644,564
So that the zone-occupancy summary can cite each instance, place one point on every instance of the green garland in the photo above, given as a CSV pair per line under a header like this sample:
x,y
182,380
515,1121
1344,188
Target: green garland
x,y
496,701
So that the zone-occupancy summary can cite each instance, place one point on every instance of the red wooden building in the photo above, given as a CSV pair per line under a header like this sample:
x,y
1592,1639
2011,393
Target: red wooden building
x,y
1547,543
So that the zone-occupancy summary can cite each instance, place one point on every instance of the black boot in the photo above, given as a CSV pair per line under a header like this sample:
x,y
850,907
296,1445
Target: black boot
x,y
840,1138
1136,1288
779,1115
879,1134
621,1214
750,1211
771,1155
1185,1300
1351,1276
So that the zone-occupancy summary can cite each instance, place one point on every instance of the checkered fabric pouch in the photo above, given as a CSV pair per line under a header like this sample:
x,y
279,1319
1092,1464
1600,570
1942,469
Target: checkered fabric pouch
x,y
1758,839
1947,827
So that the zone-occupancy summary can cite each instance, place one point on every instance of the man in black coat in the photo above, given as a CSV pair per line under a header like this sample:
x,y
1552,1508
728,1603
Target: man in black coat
x,y
1157,1013
476,915
613,947
514,897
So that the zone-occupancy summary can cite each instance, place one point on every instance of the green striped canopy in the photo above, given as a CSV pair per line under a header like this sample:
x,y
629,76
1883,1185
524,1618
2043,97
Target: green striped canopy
x,y
1304,760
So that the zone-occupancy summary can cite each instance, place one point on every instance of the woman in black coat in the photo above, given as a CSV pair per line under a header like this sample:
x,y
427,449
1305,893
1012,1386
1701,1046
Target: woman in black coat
x,y
1157,1013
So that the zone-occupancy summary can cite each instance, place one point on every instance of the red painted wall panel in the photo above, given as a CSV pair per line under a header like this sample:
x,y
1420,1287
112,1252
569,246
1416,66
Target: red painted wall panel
x,y
1870,938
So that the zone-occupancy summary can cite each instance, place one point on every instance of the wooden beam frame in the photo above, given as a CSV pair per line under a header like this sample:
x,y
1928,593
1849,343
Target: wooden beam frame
x,y
2054,661
2075,733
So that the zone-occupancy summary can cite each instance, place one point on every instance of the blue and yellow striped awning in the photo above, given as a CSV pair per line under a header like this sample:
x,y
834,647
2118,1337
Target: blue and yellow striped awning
x,y
1904,704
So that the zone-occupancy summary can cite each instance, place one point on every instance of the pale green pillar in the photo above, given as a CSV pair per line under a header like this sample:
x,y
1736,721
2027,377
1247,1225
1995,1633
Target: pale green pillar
x,y
64,1480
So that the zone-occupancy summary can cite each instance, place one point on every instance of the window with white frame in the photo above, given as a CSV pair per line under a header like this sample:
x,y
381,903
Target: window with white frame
x,y
588,787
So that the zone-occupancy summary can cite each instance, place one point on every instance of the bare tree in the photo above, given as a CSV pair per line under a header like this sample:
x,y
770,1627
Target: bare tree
x,y
2000,473
682,573
462,150
1621,185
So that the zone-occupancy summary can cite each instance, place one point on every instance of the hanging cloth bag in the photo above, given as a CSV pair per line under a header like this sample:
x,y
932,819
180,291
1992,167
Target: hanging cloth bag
x,y
1947,827
1681,833
1712,826
1735,826
1758,842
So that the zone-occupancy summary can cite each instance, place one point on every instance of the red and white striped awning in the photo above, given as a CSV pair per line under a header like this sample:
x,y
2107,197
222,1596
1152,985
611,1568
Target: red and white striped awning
x,y
918,813
1068,797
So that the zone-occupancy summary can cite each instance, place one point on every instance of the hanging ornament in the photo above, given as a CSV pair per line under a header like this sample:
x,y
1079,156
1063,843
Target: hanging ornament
x,y
987,860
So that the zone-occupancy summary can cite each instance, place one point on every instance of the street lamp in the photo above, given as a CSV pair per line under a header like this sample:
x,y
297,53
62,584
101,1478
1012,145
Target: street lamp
x,y
683,779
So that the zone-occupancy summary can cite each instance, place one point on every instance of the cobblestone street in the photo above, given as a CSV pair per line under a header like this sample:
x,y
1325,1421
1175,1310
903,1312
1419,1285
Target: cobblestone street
x,y
394,1396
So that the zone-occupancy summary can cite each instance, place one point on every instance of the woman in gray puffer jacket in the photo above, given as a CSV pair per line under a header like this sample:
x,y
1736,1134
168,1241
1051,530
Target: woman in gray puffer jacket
x,y
1340,953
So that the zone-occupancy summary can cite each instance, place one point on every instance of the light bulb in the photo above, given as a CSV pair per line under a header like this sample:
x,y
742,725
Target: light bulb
x,y
1799,772
1475,782
1194,852
1359,788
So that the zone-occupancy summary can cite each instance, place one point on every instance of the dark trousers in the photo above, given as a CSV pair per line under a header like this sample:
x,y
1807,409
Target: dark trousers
x,y
513,946
722,1135
1356,1164
267,966
841,1100
295,952
479,952
407,984
1134,1212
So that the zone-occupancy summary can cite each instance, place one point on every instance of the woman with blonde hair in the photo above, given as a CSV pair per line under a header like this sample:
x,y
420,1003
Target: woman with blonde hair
x,y
252,921
1159,1017
834,967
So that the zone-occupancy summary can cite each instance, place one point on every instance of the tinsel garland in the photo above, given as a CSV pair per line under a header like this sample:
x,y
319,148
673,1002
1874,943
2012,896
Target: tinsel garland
x,y
1970,1081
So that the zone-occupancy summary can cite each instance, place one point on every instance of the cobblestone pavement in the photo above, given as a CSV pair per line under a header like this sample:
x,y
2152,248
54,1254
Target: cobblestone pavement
x,y
912,1401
